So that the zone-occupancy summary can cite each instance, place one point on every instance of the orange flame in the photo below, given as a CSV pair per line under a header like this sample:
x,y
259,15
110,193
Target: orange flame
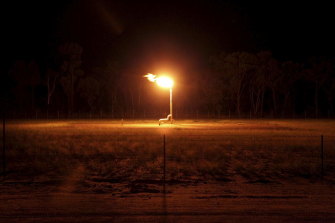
x,y
162,81
151,77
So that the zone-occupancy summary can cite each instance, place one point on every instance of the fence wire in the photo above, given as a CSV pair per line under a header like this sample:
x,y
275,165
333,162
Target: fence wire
x,y
188,157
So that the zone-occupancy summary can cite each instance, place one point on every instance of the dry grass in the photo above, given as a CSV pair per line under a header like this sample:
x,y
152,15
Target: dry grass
x,y
114,152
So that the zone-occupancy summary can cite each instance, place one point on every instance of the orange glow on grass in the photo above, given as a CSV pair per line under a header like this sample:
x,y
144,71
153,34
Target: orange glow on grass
x,y
162,81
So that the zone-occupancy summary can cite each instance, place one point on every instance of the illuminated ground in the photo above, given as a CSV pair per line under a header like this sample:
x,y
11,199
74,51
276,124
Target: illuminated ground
x,y
216,171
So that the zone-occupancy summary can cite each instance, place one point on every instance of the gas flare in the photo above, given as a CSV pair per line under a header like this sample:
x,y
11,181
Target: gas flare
x,y
151,77
162,81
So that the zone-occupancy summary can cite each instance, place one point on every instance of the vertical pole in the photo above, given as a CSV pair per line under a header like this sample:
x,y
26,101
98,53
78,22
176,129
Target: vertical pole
x,y
171,104
321,156
4,143
164,163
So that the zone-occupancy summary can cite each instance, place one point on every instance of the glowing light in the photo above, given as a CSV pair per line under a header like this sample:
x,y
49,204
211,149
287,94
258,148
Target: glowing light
x,y
162,81
151,77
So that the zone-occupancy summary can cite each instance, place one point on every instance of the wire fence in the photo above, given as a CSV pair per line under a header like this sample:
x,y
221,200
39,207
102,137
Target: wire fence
x,y
174,157
143,114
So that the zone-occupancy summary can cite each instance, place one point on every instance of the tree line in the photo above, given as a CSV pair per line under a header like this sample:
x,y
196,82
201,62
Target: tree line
x,y
237,84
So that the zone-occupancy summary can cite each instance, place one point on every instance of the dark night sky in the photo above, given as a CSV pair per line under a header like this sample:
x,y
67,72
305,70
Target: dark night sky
x,y
186,33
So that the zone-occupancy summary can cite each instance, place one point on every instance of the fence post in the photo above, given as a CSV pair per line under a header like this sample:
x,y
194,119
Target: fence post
x,y
321,154
4,144
164,164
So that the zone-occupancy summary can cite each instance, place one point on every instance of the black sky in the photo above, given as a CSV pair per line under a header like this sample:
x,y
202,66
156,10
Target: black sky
x,y
186,32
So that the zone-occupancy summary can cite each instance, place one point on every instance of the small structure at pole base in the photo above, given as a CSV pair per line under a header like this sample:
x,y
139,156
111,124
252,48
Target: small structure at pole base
x,y
168,118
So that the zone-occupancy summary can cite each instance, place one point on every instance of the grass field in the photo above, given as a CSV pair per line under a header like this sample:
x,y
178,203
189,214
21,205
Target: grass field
x,y
115,151
125,158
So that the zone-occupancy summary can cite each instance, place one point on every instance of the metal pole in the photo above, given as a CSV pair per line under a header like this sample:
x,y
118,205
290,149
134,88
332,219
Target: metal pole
x,y
171,104
4,143
321,155
164,163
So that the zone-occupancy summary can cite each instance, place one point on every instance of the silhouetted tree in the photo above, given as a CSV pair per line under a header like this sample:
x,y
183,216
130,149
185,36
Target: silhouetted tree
x,y
290,72
108,77
319,73
89,90
70,70
52,78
